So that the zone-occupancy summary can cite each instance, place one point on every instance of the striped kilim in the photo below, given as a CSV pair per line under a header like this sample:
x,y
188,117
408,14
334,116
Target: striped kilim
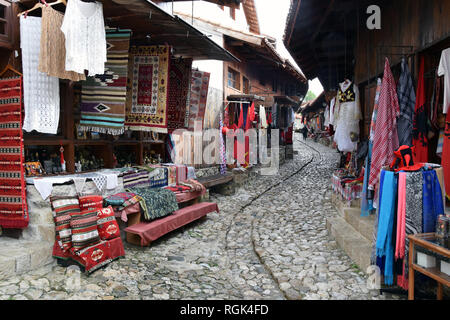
x,y
13,205
146,106
385,140
84,229
63,208
198,97
103,96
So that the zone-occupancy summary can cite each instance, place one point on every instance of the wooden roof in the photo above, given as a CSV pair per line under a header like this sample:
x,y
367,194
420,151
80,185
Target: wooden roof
x,y
151,25
252,97
320,35
227,3
251,16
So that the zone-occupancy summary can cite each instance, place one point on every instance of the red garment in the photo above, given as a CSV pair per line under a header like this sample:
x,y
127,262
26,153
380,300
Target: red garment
x,y
241,119
385,140
250,116
420,140
446,155
269,120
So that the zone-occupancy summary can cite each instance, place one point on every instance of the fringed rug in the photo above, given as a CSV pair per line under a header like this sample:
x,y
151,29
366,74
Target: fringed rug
x,y
179,77
198,96
13,205
103,96
146,107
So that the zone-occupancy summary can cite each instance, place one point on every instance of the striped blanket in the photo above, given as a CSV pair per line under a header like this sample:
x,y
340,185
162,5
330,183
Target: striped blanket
x,y
13,205
103,96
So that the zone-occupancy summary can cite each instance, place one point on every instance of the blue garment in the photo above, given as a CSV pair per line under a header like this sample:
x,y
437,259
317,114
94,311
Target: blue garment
x,y
366,204
385,244
379,260
432,200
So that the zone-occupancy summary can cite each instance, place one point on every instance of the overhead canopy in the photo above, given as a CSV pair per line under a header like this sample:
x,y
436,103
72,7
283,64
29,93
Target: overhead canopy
x,y
320,35
241,97
227,3
152,25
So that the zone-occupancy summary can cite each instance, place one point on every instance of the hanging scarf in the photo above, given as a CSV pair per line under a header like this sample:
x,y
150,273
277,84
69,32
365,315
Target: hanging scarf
x,y
432,200
401,213
420,124
366,204
384,243
385,140
406,101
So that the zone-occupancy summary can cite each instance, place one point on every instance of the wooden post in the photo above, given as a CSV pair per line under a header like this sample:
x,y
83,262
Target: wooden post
x,y
68,129
439,291
411,271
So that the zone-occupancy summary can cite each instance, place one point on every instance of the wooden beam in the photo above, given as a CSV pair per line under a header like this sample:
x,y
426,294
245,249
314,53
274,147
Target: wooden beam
x,y
324,18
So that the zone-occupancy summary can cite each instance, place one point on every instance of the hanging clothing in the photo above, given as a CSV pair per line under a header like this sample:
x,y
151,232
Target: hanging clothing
x,y
366,204
384,242
445,162
262,117
84,30
444,70
41,91
385,138
420,122
432,200
406,101
401,214
375,111
331,116
275,116
52,54
347,116
326,115
373,256
434,104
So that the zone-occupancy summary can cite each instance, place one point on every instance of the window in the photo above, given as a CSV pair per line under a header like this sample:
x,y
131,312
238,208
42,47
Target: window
x,y
234,79
5,21
245,85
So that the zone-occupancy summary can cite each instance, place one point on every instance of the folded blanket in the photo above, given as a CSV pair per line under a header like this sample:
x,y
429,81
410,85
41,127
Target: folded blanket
x,y
156,202
118,198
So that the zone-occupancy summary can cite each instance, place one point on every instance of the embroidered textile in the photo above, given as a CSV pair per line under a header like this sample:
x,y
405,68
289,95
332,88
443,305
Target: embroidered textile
x,y
179,78
136,179
432,200
90,202
146,106
13,201
107,224
385,135
40,91
52,55
84,30
406,101
197,99
118,198
103,96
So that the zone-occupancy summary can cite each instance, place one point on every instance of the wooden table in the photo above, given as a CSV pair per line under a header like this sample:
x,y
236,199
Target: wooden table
x,y
424,240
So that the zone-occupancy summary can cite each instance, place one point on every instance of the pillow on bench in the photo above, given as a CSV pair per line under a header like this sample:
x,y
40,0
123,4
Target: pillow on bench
x,y
84,229
63,209
106,224
91,202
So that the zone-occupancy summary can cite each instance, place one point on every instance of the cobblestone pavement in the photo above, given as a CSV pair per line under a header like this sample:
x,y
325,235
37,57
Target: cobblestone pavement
x,y
269,241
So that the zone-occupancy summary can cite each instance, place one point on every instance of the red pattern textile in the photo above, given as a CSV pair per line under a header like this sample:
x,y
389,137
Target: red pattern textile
x,y
90,202
106,224
94,257
198,96
385,140
63,209
179,78
13,203
420,139
84,229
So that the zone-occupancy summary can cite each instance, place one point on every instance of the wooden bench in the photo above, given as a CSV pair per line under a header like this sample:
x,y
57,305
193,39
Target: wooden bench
x,y
217,179
145,232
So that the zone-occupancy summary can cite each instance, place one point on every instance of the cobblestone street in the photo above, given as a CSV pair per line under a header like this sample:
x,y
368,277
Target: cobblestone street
x,y
269,241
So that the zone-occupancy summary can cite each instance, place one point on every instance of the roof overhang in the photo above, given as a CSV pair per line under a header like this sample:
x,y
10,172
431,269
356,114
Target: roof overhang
x,y
151,25
234,4
244,97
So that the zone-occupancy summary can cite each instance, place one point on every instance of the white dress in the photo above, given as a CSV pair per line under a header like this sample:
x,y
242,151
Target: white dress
x,y
84,29
347,115
40,91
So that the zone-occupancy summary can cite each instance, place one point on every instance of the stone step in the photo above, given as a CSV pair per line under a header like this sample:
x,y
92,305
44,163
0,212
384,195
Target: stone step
x,y
357,247
20,256
364,225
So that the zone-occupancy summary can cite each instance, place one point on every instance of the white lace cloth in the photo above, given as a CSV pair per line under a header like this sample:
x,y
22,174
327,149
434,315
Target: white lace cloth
x,y
84,30
40,91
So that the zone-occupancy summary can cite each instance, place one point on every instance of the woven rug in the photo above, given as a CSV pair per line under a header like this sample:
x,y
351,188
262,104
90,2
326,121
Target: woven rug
x,y
179,77
198,96
146,107
13,205
103,96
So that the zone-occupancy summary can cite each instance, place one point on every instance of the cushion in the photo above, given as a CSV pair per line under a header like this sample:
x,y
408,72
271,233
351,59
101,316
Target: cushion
x,y
106,224
94,256
63,208
118,198
84,229
91,202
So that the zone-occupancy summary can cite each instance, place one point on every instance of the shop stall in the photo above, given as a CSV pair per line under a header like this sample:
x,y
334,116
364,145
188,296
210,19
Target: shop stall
x,y
90,93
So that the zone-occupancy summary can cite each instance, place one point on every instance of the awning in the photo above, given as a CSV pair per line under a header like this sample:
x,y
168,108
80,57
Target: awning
x,y
152,25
